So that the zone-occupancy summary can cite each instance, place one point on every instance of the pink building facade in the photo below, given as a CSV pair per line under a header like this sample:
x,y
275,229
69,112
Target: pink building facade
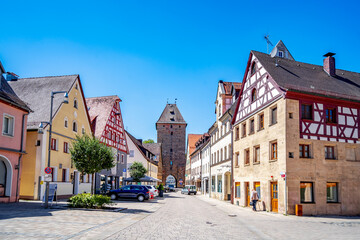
x,y
13,119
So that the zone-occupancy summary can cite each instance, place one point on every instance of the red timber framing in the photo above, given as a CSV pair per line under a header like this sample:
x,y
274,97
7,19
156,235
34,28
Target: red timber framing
x,y
114,134
256,81
346,127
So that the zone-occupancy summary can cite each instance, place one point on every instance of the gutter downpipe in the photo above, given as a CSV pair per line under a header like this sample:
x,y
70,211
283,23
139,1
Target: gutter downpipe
x,y
231,170
19,161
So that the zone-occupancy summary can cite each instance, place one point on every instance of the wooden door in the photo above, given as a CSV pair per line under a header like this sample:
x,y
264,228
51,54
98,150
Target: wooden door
x,y
247,187
274,196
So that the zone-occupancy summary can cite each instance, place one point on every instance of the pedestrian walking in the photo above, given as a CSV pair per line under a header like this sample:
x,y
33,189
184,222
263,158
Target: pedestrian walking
x,y
254,198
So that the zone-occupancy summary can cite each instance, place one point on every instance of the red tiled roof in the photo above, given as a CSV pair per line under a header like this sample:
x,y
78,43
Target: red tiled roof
x,y
192,139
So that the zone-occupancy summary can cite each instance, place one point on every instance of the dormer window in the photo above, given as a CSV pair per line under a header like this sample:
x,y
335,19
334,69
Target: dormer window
x,y
253,95
75,104
253,68
281,54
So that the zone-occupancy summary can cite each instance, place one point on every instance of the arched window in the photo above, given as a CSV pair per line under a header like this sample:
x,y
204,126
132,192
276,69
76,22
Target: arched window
x,y
65,122
74,126
253,95
75,103
253,68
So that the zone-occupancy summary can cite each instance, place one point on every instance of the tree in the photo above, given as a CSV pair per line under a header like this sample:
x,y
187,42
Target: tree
x,y
148,141
91,156
137,171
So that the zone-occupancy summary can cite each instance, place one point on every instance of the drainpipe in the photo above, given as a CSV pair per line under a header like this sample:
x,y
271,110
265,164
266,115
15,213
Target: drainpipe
x,y
231,160
19,161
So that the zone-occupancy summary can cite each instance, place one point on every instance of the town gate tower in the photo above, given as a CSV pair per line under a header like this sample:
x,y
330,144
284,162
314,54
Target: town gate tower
x,y
171,133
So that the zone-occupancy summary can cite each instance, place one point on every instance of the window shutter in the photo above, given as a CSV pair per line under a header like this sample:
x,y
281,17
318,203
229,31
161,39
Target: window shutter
x,y
56,144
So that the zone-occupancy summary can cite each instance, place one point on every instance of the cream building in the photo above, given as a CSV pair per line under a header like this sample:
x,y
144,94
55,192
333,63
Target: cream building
x,y
299,121
221,148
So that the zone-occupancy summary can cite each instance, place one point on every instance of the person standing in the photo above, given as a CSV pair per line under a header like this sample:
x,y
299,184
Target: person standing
x,y
254,198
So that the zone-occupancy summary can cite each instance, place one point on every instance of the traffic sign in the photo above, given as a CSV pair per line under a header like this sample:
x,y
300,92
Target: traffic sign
x,y
181,181
48,170
124,170
282,174
48,177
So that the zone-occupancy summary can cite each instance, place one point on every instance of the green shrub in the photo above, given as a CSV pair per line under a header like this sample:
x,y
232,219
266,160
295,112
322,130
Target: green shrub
x,y
86,200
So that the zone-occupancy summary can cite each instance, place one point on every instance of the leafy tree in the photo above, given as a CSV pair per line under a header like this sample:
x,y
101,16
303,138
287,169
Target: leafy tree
x,y
148,141
137,171
91,156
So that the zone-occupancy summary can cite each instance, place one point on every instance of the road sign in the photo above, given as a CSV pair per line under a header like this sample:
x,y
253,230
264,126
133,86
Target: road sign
x,y
48,170
124,170
282,174
181,181
48,177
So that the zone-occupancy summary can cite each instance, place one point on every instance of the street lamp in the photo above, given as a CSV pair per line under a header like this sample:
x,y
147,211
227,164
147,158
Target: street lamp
x,y
41,131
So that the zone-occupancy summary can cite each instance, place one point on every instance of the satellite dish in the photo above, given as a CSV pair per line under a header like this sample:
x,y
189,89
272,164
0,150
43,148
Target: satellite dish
x,y
274,53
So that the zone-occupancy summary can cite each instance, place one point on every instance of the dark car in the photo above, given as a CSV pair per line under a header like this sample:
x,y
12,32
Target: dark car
x,y
139,192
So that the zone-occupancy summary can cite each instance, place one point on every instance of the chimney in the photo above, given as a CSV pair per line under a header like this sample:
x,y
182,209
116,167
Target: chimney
x,y
329,64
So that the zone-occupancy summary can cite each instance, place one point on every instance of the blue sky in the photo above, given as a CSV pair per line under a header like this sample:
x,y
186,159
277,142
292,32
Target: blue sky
x,y
149,51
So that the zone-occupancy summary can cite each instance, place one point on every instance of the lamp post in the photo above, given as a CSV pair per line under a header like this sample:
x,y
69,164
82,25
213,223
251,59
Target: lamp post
x,y
41,130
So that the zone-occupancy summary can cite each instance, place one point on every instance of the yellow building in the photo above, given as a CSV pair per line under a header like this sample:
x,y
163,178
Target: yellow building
x,y
68,121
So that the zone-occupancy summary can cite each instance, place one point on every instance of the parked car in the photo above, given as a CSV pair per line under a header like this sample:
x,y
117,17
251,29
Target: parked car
x,y
192,189
153,190
171,188
139,192
185,190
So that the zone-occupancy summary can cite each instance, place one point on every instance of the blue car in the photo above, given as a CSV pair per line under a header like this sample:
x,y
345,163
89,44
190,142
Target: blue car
x,y
139,192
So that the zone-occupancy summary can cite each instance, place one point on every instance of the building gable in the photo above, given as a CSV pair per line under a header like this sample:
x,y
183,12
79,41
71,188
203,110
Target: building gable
x,y
113,134
258,90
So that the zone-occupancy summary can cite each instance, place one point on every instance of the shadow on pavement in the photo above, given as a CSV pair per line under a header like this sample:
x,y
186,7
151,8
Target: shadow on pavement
x,y
27,209
135,211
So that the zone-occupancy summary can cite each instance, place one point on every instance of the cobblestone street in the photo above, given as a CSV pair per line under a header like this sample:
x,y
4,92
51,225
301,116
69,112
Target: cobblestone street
x,y
174,217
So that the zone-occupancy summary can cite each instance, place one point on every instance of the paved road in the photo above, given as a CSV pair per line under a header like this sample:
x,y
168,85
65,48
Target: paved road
x,y
198,217
174,217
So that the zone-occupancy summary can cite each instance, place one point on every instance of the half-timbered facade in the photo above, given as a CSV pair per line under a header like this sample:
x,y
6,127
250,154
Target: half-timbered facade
x,y
300,121
107,125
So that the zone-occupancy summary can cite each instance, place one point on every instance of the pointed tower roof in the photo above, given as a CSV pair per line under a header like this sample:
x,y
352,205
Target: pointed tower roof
x,y
171,114
280,50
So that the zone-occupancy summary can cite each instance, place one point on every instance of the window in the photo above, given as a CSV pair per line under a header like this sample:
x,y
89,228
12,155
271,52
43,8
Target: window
x,y
237,190
306,192
257,154
274,151
261,121
63,178
252,129
247,156
237,133
273,115
76,86
53,144
331,115
219,111
244,130
257,188
122,158
237,159
131,153
332,192
291,115
8,125
74,127
253,68
253,95
304,151
83,130
219,184
329,152
306,111
225,152
213,183
75,104
281,54
66,122
66,147
221,155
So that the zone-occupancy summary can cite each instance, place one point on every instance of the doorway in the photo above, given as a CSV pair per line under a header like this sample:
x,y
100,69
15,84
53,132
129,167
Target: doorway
x,y
247,194
274,197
